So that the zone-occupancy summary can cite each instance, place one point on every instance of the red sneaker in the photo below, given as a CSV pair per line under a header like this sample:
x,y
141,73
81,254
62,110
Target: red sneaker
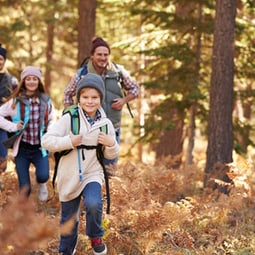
x,y
99,248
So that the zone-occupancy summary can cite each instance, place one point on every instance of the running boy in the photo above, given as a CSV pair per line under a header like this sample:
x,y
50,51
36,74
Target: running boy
x,y
79,172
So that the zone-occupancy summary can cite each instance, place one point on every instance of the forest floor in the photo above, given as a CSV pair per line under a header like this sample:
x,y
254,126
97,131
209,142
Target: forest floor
x,y
154,210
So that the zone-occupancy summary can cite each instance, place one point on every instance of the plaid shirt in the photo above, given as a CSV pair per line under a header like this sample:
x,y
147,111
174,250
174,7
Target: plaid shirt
x,y
32,131
129,84
92,121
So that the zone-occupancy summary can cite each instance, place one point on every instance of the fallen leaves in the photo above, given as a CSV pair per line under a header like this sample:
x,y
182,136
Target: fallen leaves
x,y
155,211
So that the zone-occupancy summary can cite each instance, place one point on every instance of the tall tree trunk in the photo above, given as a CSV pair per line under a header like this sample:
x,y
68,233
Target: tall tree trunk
x,y
191,133
193,107
171,141
49,52
86,27
220,128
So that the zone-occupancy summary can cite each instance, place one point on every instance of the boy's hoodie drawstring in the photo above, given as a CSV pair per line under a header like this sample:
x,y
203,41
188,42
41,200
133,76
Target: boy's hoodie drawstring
x,y
79,164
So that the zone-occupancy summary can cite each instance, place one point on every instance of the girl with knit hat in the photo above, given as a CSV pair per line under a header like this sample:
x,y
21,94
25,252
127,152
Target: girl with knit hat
x,y
7,84
80,174
28,113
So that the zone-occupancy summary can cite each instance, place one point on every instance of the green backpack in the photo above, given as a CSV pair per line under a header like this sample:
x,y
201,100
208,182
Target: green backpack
x,y
75,127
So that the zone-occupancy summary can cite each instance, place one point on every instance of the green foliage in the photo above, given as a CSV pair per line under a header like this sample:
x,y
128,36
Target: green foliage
x,y
177,68
166,45
173,63
242,134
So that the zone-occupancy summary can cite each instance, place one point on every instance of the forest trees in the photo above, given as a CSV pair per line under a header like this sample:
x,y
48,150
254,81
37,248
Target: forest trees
x,y
173,41
220,128
86,27
177,63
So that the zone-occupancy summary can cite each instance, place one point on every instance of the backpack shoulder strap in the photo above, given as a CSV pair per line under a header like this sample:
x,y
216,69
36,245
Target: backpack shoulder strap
x,y
75,120
100,158
75,127
120,80
81,72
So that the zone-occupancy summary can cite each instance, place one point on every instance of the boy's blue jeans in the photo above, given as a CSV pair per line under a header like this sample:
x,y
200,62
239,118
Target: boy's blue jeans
x,y
92,200
26,156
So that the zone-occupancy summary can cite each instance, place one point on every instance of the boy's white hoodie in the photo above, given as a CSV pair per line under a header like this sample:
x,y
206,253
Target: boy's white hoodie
x,y
57,138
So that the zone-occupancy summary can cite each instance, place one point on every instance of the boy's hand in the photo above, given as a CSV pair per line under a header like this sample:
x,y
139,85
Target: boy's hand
x,y
76,139
105,139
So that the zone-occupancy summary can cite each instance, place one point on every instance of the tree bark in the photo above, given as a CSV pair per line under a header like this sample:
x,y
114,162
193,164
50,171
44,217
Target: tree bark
x,y
86,27
220,128
171,140
193,108
49,52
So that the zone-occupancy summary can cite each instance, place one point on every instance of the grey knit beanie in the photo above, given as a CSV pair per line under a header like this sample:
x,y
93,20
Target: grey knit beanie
x,y
91,80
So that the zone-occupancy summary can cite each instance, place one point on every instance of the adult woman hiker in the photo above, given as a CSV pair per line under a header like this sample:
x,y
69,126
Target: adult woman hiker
x,y
28,112
7,84
80,174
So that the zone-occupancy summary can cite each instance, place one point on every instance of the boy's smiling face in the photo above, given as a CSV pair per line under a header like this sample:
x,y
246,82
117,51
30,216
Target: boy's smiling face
x,y
90,101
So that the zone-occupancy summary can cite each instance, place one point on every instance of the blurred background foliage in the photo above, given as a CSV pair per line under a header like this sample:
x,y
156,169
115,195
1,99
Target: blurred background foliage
x,y
166,45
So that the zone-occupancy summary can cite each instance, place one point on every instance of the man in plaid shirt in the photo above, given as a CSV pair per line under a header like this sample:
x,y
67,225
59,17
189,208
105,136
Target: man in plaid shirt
x,y
116,80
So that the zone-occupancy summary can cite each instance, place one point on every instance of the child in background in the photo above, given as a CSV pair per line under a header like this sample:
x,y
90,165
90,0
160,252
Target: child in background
x,y
84,177
28,112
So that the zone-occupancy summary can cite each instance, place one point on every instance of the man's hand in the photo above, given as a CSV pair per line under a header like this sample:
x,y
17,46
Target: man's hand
x,y
118,103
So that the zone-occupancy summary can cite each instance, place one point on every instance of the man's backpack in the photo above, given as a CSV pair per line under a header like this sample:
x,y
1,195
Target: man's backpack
x,y
75,127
